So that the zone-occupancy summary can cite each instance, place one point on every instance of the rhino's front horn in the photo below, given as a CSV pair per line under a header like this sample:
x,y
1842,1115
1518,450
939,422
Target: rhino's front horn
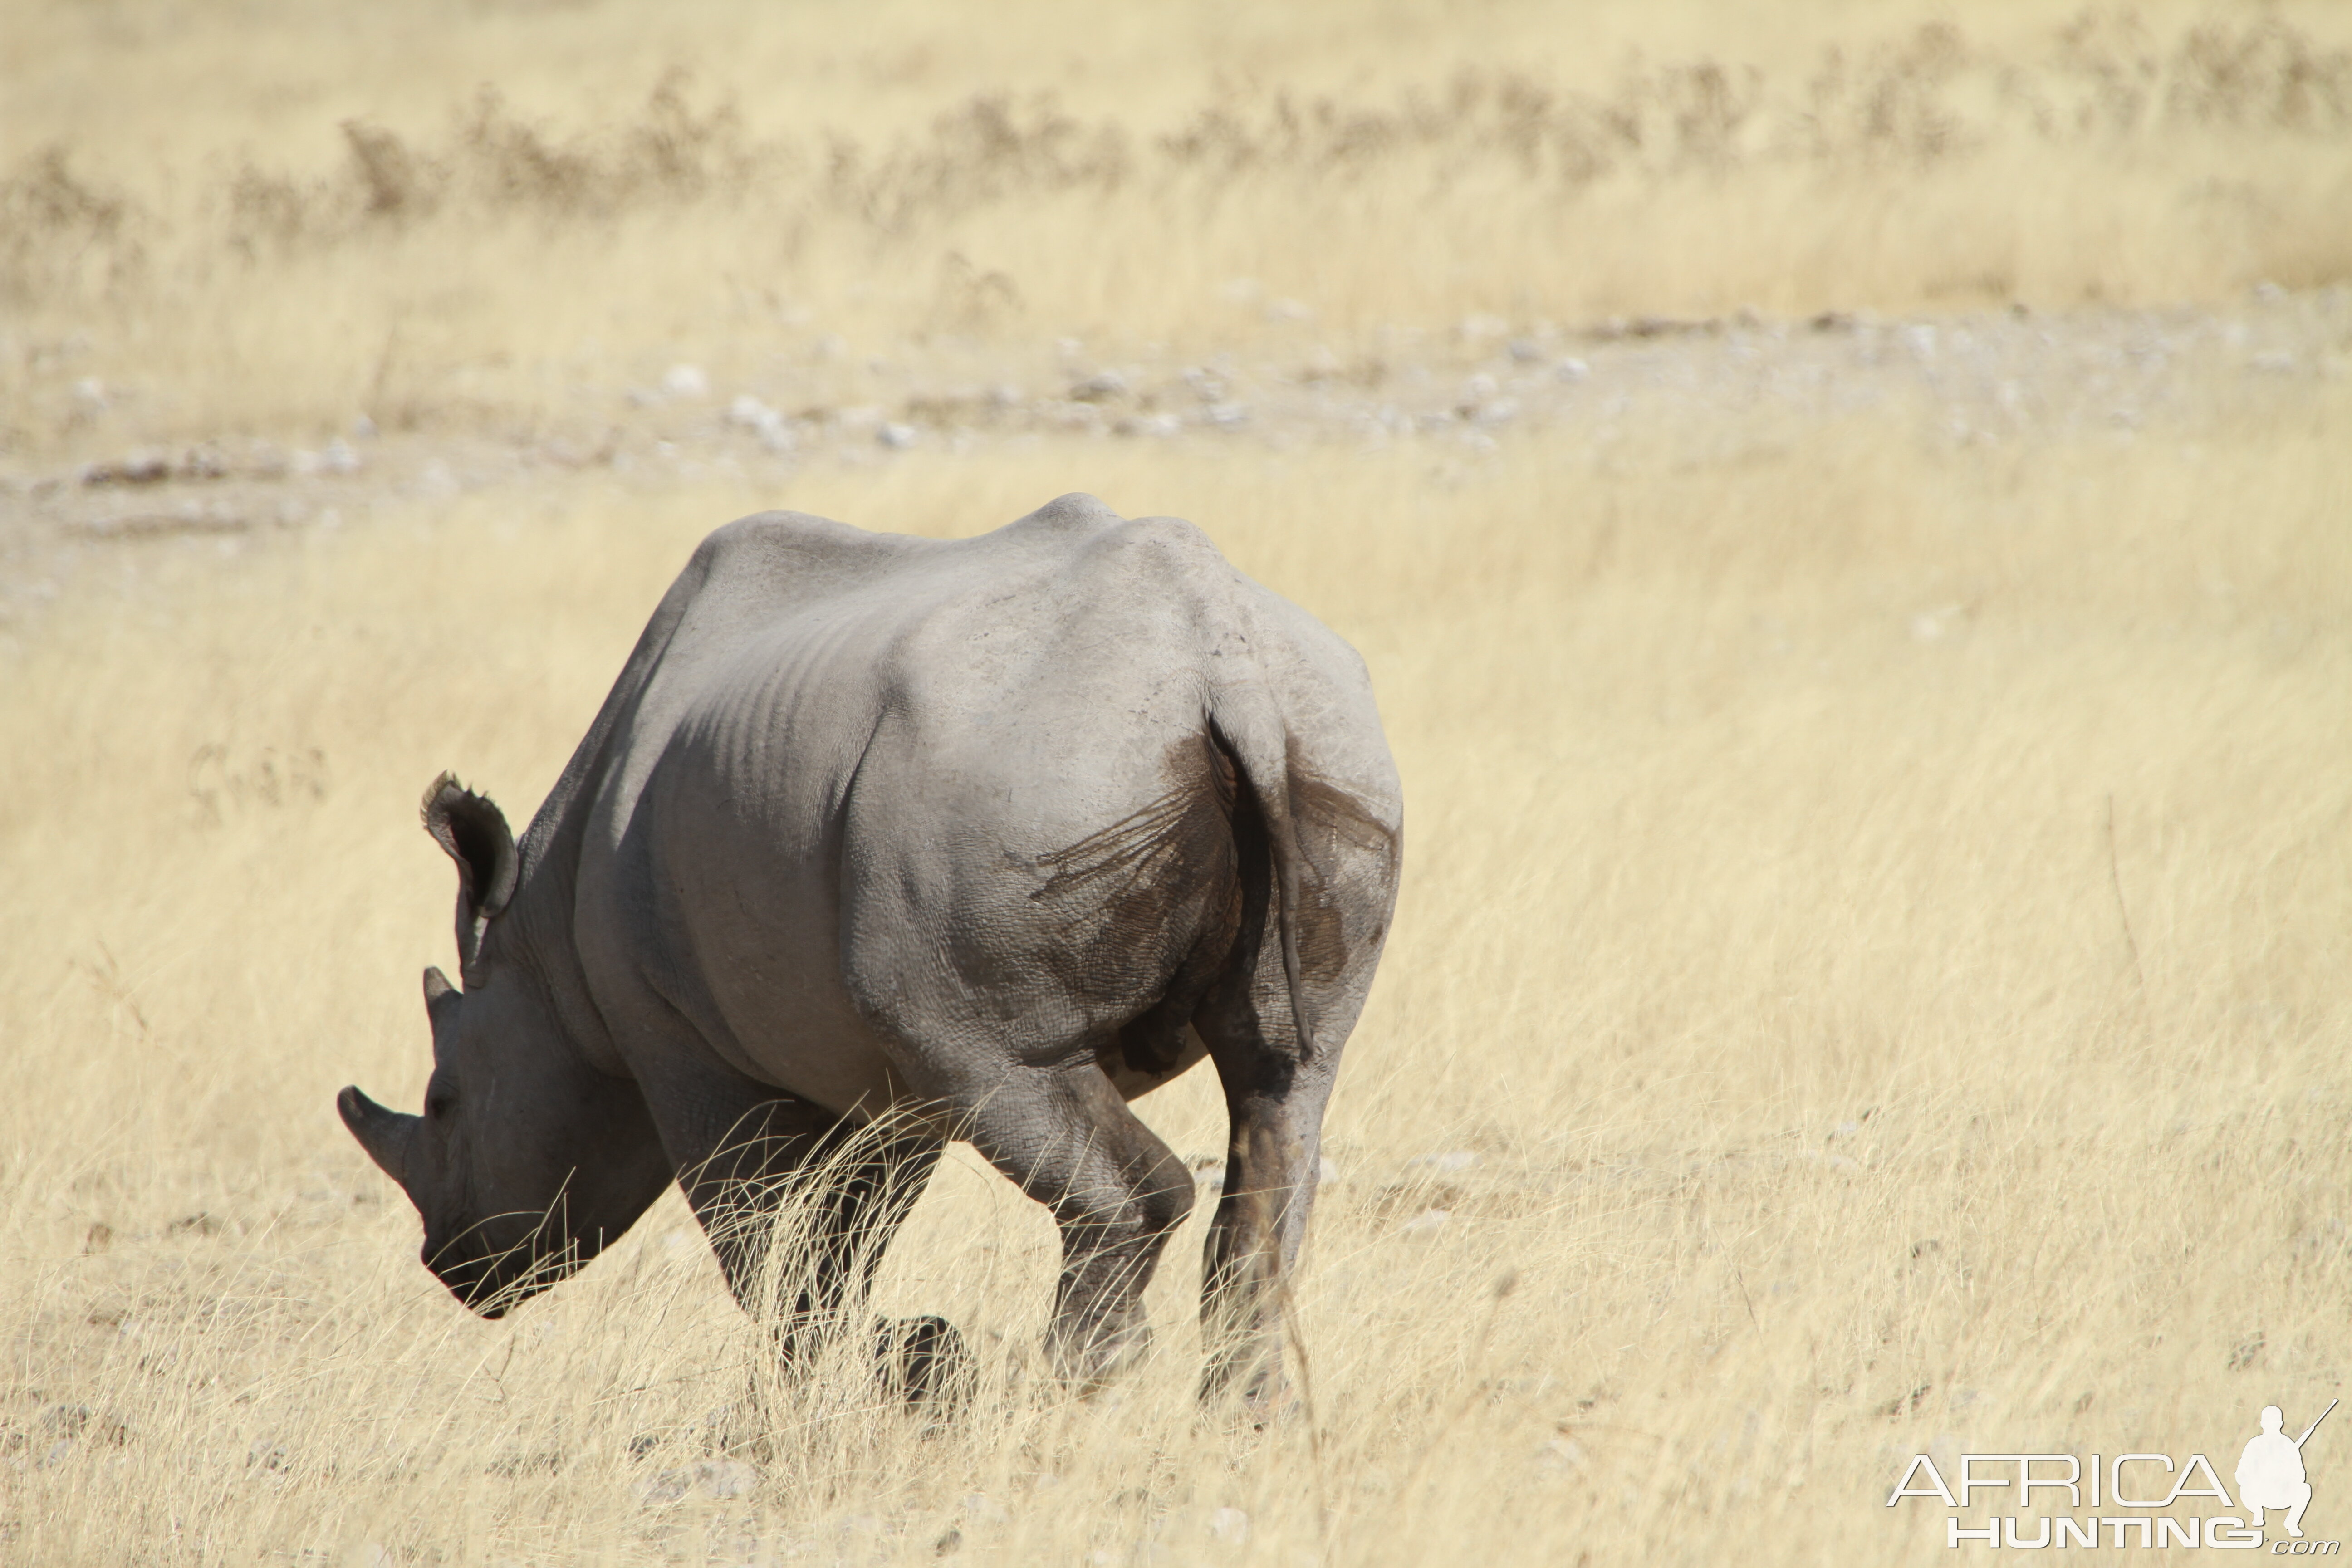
x,y
386,1134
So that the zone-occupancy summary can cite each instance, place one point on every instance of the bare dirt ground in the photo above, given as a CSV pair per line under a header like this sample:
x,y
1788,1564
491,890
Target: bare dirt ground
x,y
1695,391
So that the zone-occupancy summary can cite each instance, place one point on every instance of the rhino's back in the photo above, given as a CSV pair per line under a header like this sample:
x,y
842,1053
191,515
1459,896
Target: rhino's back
x,y
885,743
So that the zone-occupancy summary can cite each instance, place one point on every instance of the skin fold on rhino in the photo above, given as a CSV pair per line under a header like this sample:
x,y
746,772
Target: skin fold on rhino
x,y
881,841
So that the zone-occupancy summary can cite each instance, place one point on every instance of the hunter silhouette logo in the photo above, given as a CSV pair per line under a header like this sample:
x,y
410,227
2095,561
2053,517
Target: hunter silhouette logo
x,y
2270,1473
2123,1492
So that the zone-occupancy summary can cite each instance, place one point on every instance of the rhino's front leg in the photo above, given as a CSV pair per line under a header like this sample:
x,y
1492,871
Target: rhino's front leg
x,y
742,1152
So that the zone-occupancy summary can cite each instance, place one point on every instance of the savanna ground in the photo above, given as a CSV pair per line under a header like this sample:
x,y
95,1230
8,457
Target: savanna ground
x,y
1848,512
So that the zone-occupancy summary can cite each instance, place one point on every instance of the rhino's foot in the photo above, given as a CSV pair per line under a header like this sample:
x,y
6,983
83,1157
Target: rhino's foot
x,y
1091,1365
924,1361
1259,1396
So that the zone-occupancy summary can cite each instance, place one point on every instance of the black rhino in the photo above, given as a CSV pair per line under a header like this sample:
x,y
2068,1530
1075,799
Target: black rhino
x,y
993,834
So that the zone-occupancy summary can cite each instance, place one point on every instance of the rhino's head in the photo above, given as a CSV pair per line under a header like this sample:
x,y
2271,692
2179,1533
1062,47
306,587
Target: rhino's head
x,y
527,1161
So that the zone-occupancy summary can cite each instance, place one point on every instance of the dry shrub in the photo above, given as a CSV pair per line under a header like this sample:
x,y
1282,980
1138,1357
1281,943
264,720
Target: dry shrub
x,y
61,236
493,162
512,261
1915,99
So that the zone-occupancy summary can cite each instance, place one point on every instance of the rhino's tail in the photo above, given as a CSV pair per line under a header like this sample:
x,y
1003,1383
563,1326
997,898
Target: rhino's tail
x,y
1251,731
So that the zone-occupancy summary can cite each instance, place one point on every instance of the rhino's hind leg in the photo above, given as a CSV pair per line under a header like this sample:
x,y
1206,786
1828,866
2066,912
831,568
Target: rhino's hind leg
x,y
1275,1106
1275,1096
856,1188
1067,1139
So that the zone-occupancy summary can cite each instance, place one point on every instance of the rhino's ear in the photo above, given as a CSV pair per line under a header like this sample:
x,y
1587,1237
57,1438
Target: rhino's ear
x,y
475,833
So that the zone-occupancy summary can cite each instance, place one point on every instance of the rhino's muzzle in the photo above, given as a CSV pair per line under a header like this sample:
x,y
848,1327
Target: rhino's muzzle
x,y
386,1134
475,1281
489,1282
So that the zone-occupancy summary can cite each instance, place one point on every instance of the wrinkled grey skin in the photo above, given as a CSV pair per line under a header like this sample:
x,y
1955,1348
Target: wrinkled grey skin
x,y
1002,832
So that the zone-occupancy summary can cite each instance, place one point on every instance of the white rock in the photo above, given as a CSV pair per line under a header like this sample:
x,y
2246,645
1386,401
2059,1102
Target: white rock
x,y
898,438
775,431
1934,625
1230,1525
1560,1455
340,457
1428,1222
726,1477
1229,415
685,381
717,1479
1571,369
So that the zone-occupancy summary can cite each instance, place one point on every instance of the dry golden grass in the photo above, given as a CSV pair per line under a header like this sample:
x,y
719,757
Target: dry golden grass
x,y
1713,857
1876,908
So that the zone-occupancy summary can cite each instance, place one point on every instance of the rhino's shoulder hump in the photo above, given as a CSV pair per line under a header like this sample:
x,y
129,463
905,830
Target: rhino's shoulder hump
x,y
774,560
769,541
1076,513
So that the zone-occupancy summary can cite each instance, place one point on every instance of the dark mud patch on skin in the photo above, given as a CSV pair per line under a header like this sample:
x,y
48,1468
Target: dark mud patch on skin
x,y
1170,897
1153,903
1329,824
